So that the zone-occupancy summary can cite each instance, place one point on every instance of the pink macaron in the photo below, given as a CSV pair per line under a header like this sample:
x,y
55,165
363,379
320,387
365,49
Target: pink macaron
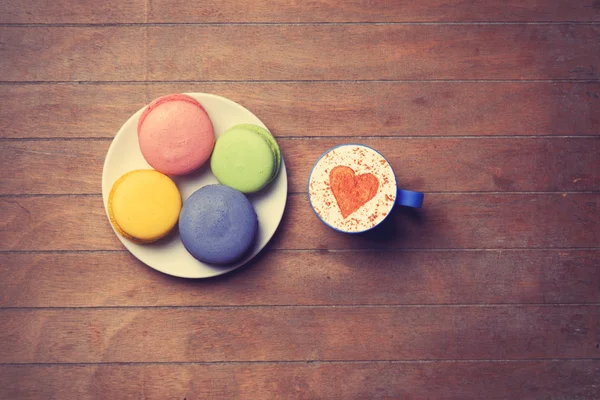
x,y
175,134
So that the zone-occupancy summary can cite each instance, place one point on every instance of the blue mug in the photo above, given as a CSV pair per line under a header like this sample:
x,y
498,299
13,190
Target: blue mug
x,y
352,188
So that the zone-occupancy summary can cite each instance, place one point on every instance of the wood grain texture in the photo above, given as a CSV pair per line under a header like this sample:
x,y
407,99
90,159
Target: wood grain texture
x,y
299,52
490,291
372,11
299,333
314,108
524,380
308,278
72,11
448,221
439,165
72,54
373,52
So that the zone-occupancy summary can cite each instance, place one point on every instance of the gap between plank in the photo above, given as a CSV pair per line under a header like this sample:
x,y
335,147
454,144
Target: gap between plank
x,y
182,363
298,306
305,81
397,250
472,193
364,137
289,23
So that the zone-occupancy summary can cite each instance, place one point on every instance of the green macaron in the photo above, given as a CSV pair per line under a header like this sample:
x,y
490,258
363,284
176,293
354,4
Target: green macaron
x,y
246,157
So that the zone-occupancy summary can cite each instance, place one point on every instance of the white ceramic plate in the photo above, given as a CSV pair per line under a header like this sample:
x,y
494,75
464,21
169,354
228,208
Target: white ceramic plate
x,y
168,254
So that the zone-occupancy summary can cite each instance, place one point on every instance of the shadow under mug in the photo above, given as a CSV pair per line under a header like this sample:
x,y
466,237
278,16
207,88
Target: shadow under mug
x,y
363,161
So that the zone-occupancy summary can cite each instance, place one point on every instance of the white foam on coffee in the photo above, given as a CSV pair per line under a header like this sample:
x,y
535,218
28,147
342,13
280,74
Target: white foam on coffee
x,y
362,160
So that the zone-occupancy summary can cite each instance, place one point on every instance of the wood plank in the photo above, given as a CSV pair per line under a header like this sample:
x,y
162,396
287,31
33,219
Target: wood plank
x,y
283,278
373,52
437,165
447,221
68,167
525,380
458,221
298,333
372,11
370,108
378,52
72,53
73,11
91,110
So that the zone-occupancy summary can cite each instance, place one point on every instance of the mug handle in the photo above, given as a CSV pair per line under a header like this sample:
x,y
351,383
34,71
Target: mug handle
x,y
408,198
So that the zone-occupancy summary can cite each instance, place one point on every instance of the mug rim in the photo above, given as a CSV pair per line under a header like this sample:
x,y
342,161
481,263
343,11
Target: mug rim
x,y
311,173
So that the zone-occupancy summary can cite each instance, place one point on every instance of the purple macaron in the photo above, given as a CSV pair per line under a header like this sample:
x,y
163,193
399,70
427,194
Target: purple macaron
x,y
218,224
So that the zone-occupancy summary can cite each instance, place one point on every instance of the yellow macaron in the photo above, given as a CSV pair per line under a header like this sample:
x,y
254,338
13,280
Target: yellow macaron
x,y
144,205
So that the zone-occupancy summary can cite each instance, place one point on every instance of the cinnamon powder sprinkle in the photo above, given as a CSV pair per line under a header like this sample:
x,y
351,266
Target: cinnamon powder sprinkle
x,y
363,161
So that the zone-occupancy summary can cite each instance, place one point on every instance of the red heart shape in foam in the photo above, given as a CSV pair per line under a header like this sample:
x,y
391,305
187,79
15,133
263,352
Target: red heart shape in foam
x,y
351,191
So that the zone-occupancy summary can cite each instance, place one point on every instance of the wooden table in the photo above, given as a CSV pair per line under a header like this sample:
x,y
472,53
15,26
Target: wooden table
x,y
491,292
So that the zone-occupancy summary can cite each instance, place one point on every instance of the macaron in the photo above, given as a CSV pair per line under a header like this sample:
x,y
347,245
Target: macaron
x,y
175,134
218,224
144,205
246,157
